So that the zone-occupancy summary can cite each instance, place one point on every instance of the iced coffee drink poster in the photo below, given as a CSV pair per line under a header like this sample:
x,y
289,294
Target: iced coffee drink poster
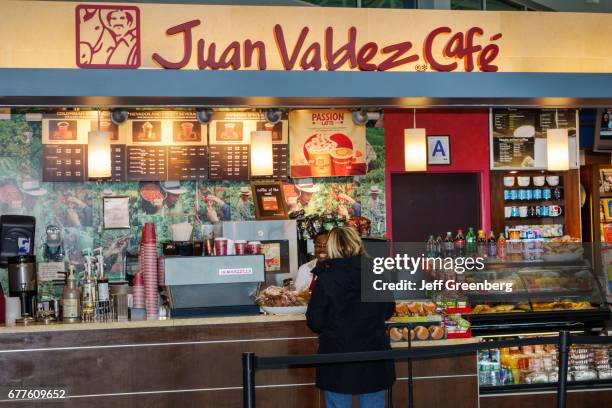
x,y
326,143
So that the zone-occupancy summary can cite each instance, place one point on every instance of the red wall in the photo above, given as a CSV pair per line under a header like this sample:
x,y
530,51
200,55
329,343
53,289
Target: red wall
x,y
469,141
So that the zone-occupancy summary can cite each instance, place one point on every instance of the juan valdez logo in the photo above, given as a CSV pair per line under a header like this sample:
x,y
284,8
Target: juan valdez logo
x,y
107,36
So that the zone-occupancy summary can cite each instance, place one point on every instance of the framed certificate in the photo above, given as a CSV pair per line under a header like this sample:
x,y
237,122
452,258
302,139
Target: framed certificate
x,y
116,212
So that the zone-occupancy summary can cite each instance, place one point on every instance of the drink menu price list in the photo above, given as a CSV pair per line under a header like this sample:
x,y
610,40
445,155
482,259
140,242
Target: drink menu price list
x,y
513,138
118,163
229,162
557,118
147,163
65,162
187,162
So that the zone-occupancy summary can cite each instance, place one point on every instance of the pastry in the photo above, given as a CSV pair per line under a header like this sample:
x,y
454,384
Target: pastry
x,y
502,308
429,307
414,308
481,309
395,334
437,333
421,333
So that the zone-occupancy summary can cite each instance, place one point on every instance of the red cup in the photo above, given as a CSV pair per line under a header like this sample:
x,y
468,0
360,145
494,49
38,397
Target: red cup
x,y
240,247
220,246
342,161
138,279
254,247
148,233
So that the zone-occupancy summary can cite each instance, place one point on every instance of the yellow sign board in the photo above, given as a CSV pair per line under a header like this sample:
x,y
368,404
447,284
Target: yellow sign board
x,y
202,37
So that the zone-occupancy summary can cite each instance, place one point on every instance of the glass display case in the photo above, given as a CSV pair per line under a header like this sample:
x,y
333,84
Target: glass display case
x,y
536,367
550,296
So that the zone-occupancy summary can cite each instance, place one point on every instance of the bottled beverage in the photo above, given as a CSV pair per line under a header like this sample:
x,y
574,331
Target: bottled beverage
x,y
470,242
439,246
481,244
431,246
459,244
502,250
492,245
70,299
449,245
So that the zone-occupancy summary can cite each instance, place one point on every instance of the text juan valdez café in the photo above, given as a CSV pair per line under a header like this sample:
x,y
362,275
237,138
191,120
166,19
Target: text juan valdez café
x,y
473,48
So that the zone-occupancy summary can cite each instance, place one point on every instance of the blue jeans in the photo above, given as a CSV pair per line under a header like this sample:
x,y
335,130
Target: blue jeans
x,y
372,400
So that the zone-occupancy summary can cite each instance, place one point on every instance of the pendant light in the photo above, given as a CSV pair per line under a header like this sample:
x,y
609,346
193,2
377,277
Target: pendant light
x,y
262,163
557,148
415,148
99,154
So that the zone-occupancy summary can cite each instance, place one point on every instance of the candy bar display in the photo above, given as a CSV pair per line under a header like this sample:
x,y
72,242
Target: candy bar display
x,y
539,364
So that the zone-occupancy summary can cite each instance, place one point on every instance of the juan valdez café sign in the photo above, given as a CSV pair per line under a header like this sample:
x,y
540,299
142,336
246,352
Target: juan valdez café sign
x,y
219,37
464,48
110,37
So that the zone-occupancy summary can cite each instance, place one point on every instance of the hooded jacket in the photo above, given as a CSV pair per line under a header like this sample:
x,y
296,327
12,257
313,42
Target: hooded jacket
x,y
345,324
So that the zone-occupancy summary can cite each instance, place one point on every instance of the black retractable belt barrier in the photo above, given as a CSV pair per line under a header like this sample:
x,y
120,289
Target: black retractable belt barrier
x,y
248,380
252,363
564,345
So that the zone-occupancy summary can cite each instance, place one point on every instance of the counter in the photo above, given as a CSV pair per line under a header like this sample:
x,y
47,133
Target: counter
x,y
196,362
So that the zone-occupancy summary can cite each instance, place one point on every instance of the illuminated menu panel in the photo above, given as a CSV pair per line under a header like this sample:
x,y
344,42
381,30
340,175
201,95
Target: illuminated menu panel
x,y
229,162
65,162
147,163
187,162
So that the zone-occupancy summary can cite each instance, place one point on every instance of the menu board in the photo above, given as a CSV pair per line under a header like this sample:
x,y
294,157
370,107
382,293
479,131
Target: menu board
x,y
64,163
65,135
187,162
326,143
165,145
118,160
229,162
230,138
518,136
147,163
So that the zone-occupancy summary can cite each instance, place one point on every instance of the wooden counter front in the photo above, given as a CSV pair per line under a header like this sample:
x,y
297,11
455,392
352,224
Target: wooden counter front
x,y
194,363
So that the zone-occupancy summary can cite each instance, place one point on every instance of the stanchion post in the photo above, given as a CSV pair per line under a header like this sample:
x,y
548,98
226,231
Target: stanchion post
x,y
564,344
410,380
248,380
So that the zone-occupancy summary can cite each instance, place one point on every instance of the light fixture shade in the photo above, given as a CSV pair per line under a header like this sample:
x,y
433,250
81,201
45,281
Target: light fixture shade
x,y
261,153
99,155
557,149
415,149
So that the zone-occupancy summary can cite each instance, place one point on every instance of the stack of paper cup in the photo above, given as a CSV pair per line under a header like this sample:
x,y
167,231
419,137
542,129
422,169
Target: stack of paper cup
x,y
138,295
148,246
160,271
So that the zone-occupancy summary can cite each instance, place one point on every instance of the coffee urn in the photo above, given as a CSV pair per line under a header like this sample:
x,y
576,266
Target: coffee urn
x,y
22,284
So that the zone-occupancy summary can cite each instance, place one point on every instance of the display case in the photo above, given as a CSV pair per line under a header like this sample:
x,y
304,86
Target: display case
x,y
544,296
536,368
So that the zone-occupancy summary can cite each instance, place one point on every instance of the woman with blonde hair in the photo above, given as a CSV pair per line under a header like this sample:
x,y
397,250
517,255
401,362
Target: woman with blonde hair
x,y
346,324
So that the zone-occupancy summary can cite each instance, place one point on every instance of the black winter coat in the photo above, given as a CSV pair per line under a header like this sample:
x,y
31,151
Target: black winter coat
x,y
345,324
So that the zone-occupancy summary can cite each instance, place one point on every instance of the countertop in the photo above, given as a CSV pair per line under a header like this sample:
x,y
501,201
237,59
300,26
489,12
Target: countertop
x,y
200,321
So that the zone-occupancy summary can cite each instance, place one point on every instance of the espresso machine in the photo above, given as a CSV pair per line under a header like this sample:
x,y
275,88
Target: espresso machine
x,y
23,284
213,285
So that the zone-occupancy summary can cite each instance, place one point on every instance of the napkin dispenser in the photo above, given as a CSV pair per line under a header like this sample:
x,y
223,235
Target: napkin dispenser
x,y
215,285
